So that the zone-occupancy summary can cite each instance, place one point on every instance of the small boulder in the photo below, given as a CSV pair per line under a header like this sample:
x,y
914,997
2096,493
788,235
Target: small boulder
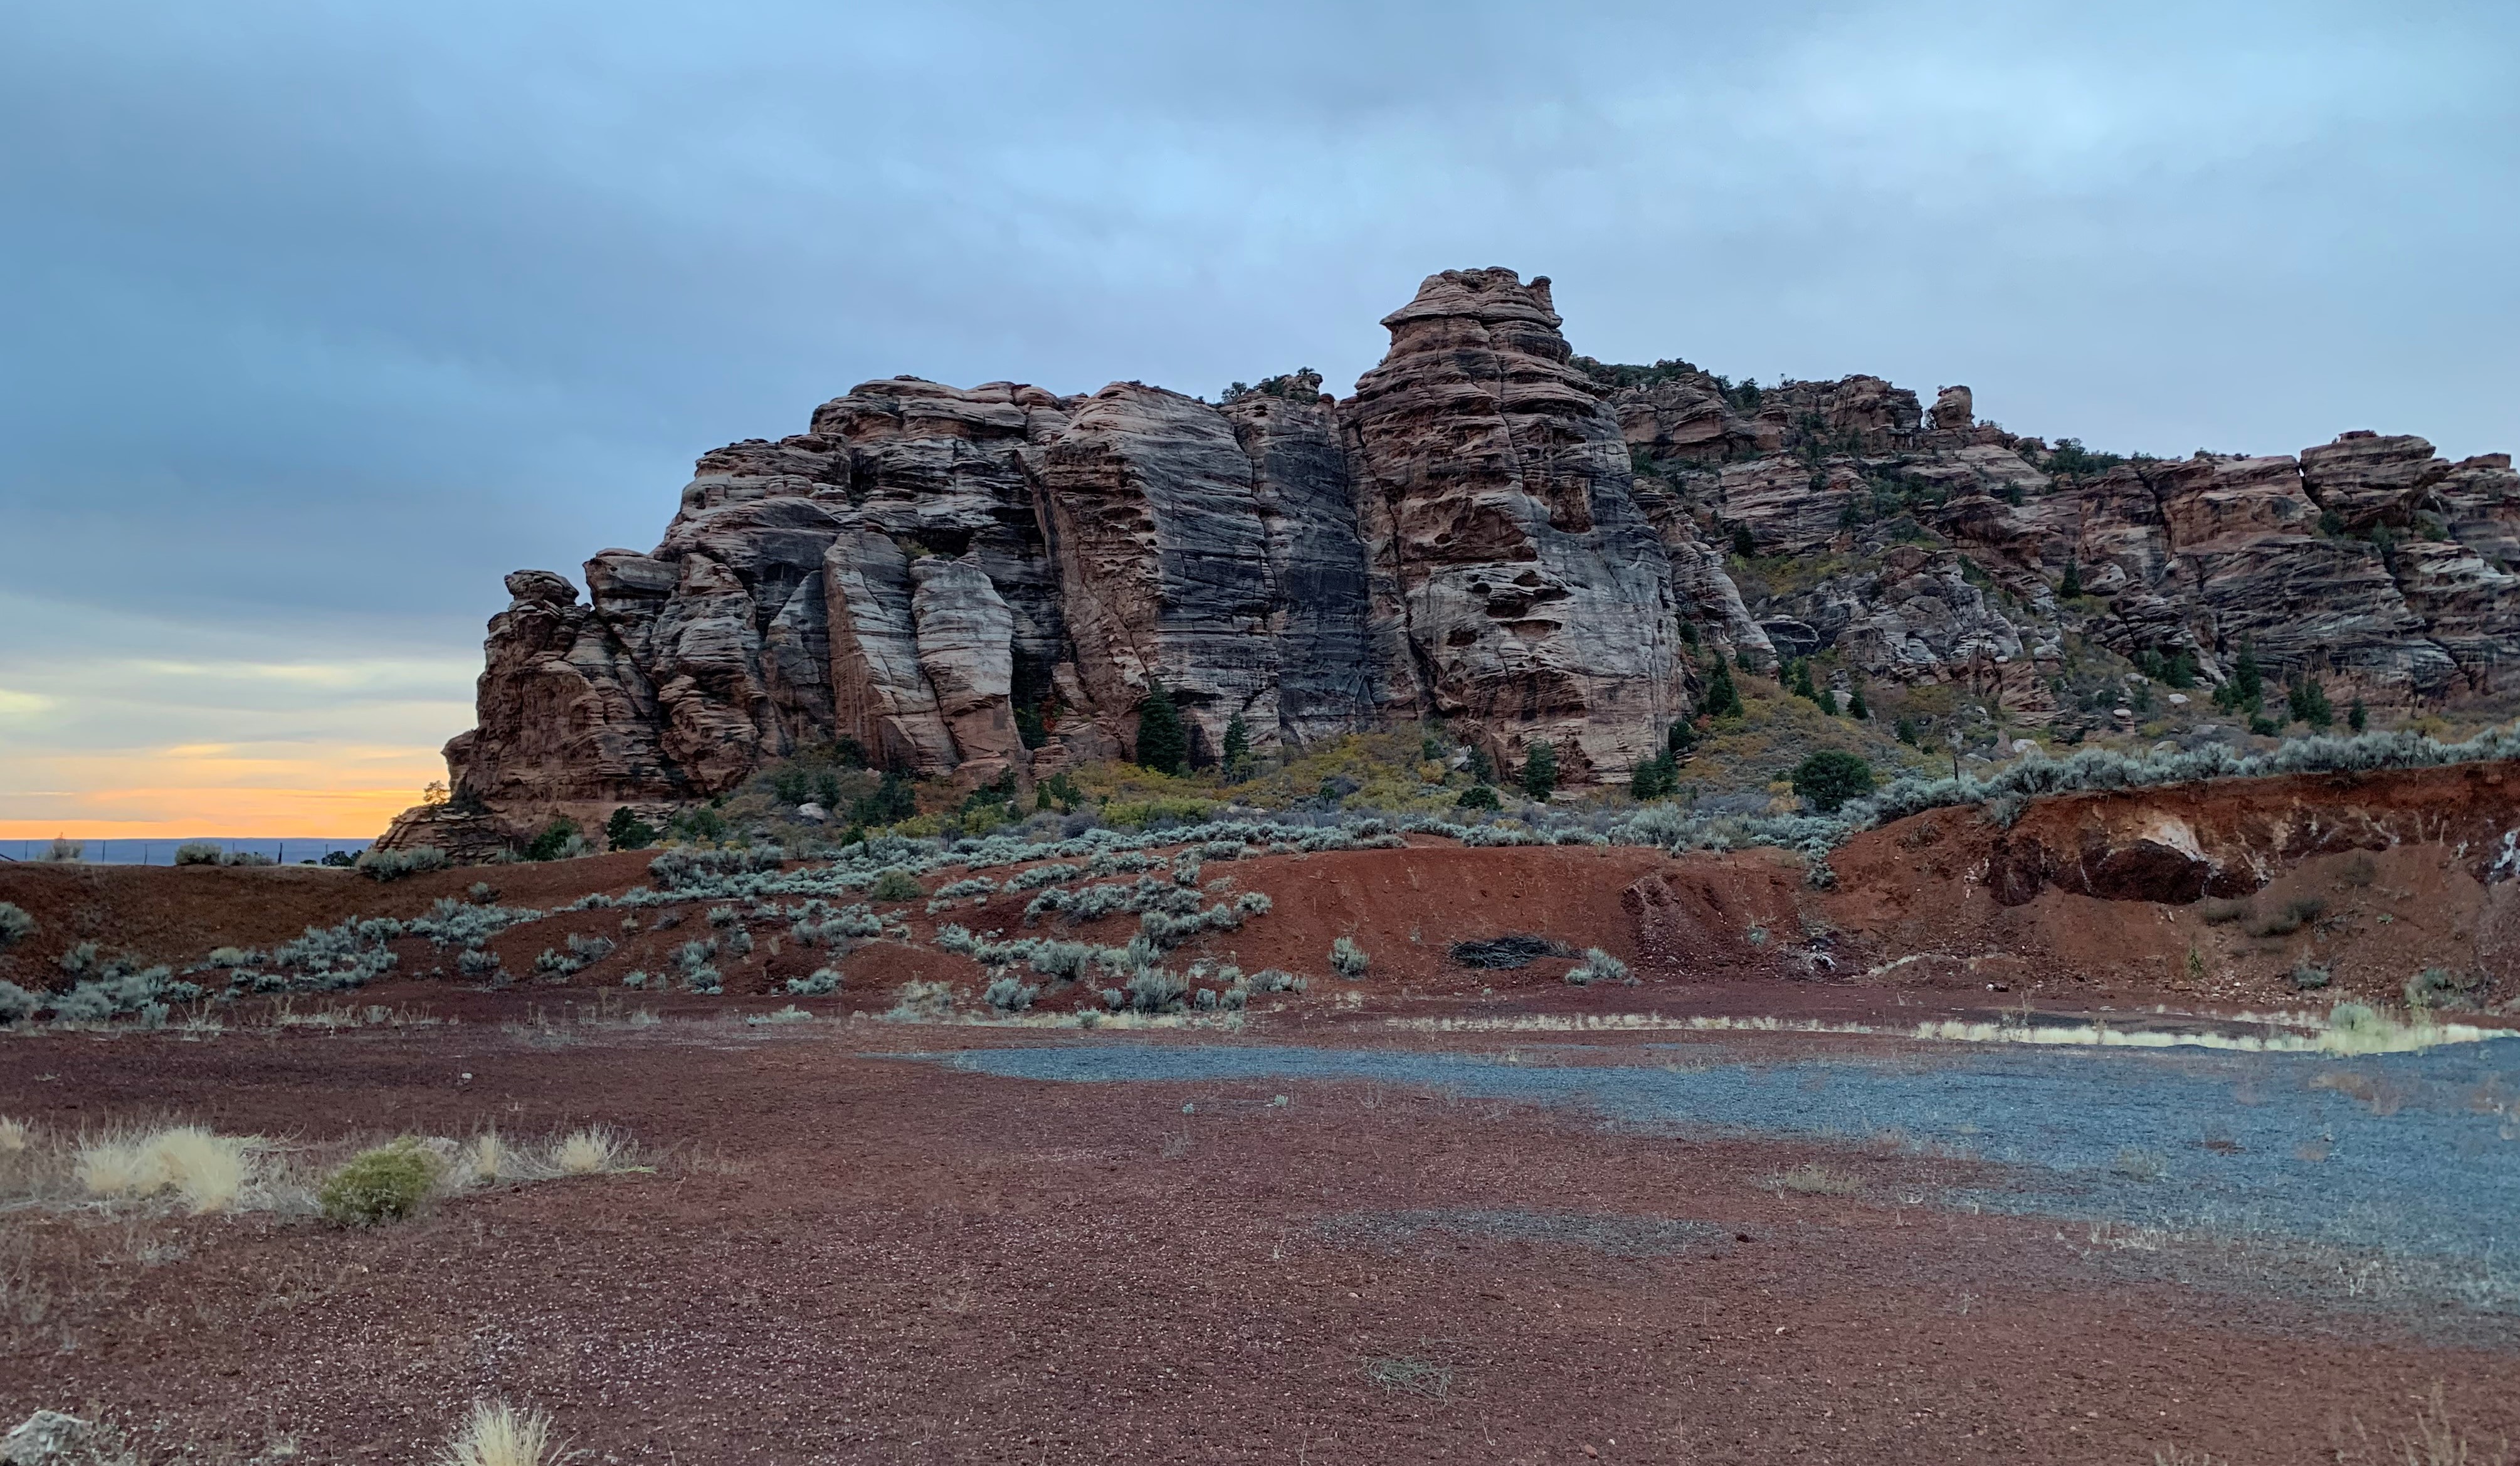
x,y
811,812
45,1438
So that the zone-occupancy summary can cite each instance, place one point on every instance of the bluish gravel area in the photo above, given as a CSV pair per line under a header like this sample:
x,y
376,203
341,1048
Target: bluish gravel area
x,y
2409,1162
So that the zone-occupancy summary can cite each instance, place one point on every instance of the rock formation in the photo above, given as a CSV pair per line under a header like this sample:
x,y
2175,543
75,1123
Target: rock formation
x,y
1491,531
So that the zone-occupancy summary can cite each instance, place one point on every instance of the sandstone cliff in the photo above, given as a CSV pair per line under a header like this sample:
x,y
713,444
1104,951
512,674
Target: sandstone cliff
x,y
1491,531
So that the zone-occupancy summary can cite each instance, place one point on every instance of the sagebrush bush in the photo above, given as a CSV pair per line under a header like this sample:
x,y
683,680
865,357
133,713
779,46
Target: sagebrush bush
x,y
197,853
1009,994
2100,769
388,1183
394,865
823,982
1600,966
923,1000
17,1005
1155,990
1349,958
15,925
895,884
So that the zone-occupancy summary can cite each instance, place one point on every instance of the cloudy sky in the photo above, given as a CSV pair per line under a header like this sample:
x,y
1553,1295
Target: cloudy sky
x,y
317,318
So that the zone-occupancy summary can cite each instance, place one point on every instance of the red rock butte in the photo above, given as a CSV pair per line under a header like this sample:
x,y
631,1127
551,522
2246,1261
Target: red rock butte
x,y
1492,531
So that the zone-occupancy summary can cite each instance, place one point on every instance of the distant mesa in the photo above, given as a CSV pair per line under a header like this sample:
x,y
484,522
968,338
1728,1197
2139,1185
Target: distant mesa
x,y
1492,531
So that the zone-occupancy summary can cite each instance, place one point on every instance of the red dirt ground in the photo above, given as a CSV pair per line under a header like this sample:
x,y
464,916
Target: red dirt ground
x,y
841,1256
845,1257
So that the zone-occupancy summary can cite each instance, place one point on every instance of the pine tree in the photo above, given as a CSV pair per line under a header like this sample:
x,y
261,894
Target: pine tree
x,y
1722,700
1854,707
625,830
2072,585
2356,717
1539,769
2248,681
1237,749
1742,545
1163,743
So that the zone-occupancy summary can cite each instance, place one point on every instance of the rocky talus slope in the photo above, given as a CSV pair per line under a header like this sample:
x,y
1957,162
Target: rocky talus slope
x,y
1492,530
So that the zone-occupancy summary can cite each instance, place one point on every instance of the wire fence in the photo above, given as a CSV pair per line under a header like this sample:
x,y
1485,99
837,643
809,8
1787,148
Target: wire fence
x,y
289,851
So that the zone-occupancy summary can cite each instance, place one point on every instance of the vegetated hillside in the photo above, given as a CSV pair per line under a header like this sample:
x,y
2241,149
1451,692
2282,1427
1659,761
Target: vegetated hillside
x,y
1493,537
2396,885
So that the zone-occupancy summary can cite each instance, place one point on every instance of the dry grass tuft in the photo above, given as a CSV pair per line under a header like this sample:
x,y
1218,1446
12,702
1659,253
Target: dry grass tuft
x,y
208,1171
590,1152
1817,1181
499,1435
2435,1441
14,1135
490,1161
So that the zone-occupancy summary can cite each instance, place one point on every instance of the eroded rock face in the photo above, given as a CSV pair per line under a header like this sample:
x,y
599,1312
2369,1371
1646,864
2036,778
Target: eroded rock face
x,y
1164,561
1492,531
2364,480
1535,596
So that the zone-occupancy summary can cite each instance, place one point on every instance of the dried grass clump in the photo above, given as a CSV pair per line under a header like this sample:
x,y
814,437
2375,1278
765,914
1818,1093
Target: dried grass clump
x,y
497,1434
490,1160
590,1151
208,1171
14,1137
1817,1181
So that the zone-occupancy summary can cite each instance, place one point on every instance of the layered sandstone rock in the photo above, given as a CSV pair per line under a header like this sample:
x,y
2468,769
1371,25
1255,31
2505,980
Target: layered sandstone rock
x,y
1537,596
2363,479
1491,531
2480,498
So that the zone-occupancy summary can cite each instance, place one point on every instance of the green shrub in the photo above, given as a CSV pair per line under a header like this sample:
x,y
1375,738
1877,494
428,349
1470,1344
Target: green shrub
x,y
197,853
2309,976
1830,778
1137,812
1657,777
1349,958
385,1185
1477,797
894,800
559,840
892,883
2439,986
